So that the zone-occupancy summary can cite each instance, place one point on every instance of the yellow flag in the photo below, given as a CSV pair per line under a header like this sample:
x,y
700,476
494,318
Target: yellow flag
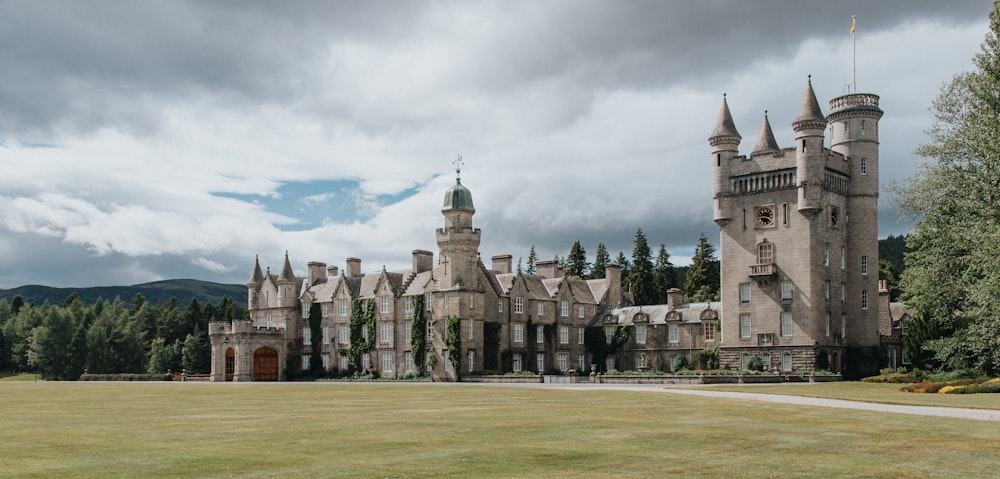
x,y
854,22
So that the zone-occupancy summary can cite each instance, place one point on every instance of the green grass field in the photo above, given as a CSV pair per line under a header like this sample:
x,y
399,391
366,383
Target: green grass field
x,y
52,429
869,392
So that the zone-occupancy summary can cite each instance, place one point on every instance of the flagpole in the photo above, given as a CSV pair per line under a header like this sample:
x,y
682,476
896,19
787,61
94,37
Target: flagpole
x,y
854,59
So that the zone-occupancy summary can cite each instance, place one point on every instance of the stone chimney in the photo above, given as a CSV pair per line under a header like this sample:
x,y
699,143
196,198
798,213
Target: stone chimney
x,y
501,263
422,261
884,314
317,271
613,275
353,266
675,298
332,271
549,269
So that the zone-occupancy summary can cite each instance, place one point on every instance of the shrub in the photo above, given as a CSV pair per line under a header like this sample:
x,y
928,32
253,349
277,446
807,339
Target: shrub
x,y
126,377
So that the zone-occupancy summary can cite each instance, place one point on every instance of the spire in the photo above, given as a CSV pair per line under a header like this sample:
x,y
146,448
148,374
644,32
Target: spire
x,y
810,111
257,277
765,141
286,270
725,127
458,197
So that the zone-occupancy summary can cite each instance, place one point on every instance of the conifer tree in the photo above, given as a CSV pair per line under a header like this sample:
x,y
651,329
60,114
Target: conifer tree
x,y
640,277
532,258
576,262
702,283
601,260
663,275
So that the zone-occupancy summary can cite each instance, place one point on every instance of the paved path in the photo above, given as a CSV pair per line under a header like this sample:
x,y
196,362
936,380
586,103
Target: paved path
x,y
963,413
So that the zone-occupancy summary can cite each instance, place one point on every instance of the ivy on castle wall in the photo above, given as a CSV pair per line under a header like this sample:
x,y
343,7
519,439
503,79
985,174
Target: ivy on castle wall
x,y
362,320
316,332
597,344
453,341
418,334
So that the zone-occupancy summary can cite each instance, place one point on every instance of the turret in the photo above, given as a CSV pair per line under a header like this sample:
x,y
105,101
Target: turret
x,y
725,142
286,283
458,241
254,284
765,141
810,127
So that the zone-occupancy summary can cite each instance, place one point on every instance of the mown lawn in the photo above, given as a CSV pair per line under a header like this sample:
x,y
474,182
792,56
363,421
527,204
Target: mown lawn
x,y
50,429
869,392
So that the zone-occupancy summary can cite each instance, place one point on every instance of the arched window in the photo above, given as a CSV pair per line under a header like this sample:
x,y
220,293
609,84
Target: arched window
x,y
765,252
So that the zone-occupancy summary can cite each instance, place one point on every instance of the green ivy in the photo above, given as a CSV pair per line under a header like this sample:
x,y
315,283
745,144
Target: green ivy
x,y
453,340
316,331
596,342
362,316
418,334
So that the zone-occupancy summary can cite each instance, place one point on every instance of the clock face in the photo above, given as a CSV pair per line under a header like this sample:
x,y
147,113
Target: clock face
x,y
765,217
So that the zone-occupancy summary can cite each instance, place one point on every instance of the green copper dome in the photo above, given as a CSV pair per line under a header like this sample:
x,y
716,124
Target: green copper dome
x,y
458,197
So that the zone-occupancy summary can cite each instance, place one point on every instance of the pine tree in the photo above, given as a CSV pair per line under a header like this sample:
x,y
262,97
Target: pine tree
x,y
640,278
663,274
532,258
576,262
601,260
703,277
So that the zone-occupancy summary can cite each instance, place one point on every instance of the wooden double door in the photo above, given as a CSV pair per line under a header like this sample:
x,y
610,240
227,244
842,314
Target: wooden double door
x,y
265,365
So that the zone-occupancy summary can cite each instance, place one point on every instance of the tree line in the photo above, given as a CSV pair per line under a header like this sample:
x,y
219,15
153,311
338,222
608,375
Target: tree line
x,y
645,278
62,341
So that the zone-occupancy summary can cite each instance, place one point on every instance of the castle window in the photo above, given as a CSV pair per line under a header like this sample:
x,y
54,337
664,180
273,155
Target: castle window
x,y
518,304
499,305
745,326
472,302
673,333
864,265
430,330
563,334
862,127
516,363
843,325
472,328
847,128
408,362
786,324
429,302
564,308
518,333
581,362
765,252
784,214
640,361
828,324
826,291
307,335
326,310
540,334
343,334
326,335
385,332
563,363
541,309
342,306
744,293
408,308
864,166
786,291
386,362
580,312
640,334
744,218
786,362
843,257
270,323
326,361
826,254
803,146
408,331
718,159
540,362
765,359
305,362
864,299
579,335
305,310
609,332
609,363
709,331
472,361
843,293
383,304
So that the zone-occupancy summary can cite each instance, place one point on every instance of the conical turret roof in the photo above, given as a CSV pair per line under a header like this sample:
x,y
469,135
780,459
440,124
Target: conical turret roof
x,y
286,270
810,110
257,277
725,127
765,141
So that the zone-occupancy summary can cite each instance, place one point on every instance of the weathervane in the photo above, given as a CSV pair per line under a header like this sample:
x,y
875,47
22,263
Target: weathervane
x,y
458,168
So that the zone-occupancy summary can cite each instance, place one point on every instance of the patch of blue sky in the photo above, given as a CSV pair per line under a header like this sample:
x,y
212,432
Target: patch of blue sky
x,y
313,203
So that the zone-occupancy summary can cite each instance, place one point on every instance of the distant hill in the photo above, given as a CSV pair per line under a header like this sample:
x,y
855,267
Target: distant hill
x,y
184,290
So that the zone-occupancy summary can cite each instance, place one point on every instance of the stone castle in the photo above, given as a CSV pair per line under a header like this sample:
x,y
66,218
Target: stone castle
x,y
800,291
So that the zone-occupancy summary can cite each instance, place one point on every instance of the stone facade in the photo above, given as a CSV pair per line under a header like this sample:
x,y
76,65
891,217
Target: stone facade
x,y
799,238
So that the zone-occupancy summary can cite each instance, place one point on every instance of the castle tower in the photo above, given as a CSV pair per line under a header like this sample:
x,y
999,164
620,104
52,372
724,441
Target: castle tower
x,y
794,269
458,241
287,294
854,134
253,286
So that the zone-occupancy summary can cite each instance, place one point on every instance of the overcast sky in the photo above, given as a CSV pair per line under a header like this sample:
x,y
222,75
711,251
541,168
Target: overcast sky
x,y
153,140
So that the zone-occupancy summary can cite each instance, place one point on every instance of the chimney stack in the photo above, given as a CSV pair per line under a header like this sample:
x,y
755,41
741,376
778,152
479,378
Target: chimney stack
x,y
353,266
501,263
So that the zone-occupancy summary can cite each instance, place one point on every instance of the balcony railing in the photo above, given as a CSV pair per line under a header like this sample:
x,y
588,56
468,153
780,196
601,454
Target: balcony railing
x,y
757,270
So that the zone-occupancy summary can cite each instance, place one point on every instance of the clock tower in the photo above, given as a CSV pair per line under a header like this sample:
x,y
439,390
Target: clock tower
x,y
799,239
